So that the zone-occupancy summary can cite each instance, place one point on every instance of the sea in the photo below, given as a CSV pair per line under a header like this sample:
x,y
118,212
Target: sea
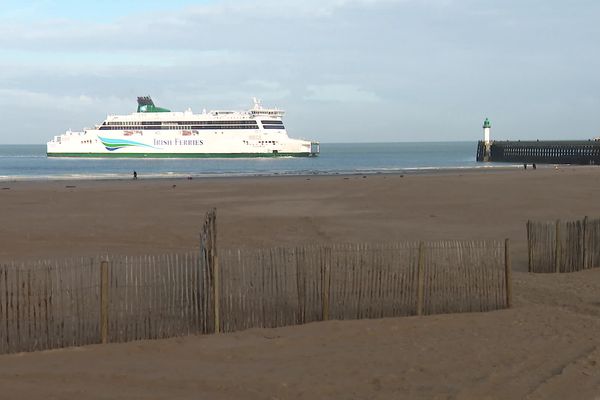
x,y
29,162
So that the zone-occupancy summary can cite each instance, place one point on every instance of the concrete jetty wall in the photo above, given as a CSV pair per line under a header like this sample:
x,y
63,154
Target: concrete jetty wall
x,y
583,152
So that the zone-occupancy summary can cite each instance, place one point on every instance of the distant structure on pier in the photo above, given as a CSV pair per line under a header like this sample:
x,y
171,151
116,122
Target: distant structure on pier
x,y
581,152
486,139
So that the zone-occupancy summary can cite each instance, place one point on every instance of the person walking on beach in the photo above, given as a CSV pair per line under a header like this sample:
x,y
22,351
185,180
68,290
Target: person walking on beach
x,y
134,175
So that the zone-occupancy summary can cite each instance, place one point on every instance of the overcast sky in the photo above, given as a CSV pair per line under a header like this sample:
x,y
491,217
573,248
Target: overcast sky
x,y
344,70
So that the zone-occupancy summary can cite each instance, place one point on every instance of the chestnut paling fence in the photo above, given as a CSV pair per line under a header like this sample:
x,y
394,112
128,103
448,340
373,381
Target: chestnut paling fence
x,y
75,302
285,286
563,246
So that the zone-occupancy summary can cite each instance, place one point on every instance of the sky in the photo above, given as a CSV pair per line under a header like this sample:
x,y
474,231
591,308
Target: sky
x,y
344,70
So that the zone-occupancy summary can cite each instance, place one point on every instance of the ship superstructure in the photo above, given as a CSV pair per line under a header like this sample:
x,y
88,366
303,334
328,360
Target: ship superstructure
x,y
158,132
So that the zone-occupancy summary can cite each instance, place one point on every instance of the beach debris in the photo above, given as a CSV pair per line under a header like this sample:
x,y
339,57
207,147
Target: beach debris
x,y
174,186
271,337
364,176
346,178
308,179
5,188
70,186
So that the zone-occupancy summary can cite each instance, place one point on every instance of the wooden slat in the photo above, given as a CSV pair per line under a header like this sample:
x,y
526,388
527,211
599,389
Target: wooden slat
x,y
421,279
104,302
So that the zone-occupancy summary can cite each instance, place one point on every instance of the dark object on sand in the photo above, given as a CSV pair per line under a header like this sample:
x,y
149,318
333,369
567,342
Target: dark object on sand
x,y
134,174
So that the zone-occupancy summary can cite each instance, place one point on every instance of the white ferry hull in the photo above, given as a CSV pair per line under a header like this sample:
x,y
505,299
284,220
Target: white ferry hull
x,y
155,132
177,145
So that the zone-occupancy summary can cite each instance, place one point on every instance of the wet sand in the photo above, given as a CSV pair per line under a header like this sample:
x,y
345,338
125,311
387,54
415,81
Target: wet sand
x,y
545,347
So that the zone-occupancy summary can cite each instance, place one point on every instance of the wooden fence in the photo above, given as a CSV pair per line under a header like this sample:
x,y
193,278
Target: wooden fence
x,y
76,302
286,286
563,246
49,305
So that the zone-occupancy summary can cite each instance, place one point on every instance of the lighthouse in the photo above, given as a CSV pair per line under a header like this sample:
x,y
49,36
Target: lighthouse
x,y
486,140
486,131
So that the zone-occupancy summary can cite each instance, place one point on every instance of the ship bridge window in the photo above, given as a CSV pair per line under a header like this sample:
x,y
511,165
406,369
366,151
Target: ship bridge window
x,y
273,127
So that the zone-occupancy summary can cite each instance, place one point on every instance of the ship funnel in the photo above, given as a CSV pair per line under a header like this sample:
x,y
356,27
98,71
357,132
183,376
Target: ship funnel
x,y
145,104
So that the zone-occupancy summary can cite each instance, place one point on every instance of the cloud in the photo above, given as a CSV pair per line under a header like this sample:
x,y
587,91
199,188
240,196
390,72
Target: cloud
x,y
25,98
226,24
340,93
286,9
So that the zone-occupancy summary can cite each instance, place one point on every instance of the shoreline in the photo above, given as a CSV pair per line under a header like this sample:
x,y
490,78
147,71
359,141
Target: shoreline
x,y
370,172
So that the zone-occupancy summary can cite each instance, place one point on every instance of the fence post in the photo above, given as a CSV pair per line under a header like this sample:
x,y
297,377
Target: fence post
x,y
508,273
557,249
104,302
421,279
326,282
217,293
529,248
216,275
583,251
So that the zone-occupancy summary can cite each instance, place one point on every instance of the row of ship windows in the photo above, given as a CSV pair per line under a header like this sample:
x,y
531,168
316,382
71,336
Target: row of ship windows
x,y
263,142
184,127
273,127
134,123
261,112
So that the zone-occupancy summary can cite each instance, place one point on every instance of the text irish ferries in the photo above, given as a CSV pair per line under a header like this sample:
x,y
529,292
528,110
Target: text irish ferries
x,y
157,132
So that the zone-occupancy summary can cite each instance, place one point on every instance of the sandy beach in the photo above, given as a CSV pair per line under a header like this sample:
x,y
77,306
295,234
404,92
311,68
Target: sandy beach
x,y
547,346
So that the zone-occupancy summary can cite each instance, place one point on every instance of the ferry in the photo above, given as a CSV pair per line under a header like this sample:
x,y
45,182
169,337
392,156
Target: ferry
x,y
156,132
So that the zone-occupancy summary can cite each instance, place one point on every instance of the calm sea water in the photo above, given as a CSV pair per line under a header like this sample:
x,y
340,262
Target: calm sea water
x,y
29,162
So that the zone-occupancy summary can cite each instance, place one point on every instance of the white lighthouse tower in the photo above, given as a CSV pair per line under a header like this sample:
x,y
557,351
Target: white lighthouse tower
x,y
486,139
486,131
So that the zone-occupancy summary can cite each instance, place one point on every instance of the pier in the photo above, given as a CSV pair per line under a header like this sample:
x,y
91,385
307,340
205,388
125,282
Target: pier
x,y
582,152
